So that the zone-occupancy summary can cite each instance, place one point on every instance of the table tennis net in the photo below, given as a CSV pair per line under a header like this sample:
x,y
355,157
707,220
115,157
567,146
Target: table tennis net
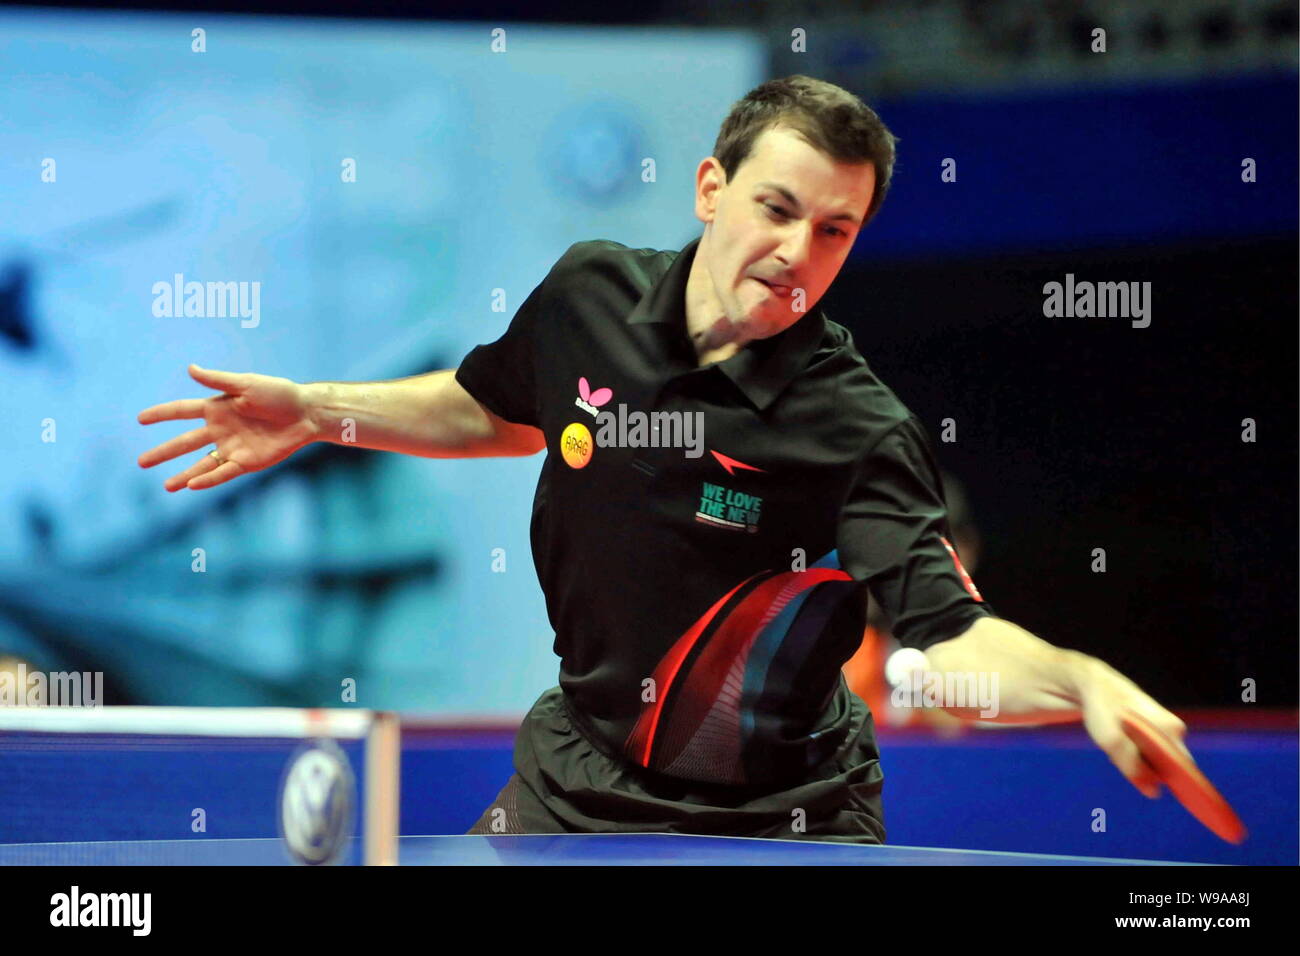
x,y
75,778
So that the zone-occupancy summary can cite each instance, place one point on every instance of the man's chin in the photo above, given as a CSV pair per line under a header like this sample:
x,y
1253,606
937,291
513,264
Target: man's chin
x,y
760,327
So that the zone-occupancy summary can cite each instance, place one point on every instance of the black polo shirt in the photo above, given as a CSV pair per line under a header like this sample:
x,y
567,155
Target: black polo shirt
x,y
704,598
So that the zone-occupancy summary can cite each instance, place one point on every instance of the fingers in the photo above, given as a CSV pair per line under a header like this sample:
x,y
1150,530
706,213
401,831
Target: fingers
x,y
1176,731
192,407
217,476
212,378
170,411
1126,757
191,440
1137,702
200,467
1123,753
1145,779
1165,722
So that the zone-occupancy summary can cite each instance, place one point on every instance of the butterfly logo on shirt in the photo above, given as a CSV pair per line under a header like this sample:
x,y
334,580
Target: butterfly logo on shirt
x,y
590,401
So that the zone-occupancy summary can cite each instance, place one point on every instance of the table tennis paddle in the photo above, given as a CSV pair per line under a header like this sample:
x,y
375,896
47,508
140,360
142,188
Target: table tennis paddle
x,y
1184,779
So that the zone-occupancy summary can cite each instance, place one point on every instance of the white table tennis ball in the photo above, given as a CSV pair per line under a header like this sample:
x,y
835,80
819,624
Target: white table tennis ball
x,y
902,662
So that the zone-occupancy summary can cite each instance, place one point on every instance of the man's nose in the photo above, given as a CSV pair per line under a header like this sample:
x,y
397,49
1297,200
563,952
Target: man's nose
x,y
795,247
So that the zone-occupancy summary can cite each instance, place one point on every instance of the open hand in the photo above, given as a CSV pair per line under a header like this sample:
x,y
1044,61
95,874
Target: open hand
x,y
257,421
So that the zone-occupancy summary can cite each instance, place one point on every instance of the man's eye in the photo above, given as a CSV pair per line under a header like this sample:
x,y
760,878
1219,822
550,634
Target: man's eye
x,y
778,211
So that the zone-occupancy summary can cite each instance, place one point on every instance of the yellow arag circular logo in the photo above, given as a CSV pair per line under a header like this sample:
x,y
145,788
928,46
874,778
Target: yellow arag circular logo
x,y
576,445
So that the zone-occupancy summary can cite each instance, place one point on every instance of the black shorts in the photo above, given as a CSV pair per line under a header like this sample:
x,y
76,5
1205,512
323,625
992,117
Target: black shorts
x,y
564,784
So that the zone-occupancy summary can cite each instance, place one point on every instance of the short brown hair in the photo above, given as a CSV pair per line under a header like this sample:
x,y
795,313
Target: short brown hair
x,y
829,117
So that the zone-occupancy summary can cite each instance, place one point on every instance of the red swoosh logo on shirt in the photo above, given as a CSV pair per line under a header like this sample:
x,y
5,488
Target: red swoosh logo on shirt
x,y
730,463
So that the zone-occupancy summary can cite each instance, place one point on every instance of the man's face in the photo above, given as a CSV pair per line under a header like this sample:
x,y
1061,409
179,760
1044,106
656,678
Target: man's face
x,y
788,218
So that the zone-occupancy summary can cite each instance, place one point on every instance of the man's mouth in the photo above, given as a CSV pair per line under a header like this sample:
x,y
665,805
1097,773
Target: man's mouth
x,y
780,290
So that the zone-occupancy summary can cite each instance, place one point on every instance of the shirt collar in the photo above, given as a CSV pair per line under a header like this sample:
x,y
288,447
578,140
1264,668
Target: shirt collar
x,y
764,367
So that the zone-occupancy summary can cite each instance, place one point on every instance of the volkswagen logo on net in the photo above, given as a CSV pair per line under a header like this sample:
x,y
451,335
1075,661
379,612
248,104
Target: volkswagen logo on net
x,y
316,801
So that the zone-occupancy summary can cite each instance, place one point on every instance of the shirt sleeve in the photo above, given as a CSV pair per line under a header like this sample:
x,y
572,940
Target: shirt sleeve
x,y
893,534
503,375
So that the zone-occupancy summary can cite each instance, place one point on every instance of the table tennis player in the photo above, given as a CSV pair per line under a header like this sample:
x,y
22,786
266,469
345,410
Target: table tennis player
x,y
725,478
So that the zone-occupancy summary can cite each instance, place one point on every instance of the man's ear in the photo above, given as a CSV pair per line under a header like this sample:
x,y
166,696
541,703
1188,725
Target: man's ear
x,y
710,177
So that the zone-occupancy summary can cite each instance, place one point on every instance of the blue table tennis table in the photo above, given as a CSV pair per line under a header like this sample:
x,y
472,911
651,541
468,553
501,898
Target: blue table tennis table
x,y
599,849
118,786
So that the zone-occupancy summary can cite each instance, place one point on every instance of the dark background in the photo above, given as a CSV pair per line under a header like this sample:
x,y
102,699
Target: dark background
x,y
1074,434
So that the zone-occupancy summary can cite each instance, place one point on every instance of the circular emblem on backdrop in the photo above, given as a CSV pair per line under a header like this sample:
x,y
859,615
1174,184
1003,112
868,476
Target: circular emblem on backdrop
x,y
576,445
316,800
592,151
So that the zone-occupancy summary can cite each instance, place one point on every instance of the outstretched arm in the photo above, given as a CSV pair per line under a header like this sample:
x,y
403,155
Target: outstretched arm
x,y
428,415
259,420
1041,683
